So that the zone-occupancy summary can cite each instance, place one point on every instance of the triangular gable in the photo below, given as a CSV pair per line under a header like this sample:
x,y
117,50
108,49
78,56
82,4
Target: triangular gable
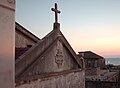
x,y
36,53
25,32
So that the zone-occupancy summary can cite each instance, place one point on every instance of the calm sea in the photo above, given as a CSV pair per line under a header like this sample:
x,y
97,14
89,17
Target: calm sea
x,y
115,61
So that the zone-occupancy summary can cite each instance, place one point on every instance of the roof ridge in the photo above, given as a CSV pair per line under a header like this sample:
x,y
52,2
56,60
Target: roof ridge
x,y
22,29
35,50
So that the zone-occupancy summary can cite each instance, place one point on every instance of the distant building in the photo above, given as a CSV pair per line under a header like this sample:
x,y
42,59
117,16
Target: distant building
x,y
96,73
93,62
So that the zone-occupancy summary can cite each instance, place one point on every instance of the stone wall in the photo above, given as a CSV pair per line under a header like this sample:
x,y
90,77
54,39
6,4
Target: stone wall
x,y
70,80
92,71
101,63
114,77
56,60
22,40
34,52
102,84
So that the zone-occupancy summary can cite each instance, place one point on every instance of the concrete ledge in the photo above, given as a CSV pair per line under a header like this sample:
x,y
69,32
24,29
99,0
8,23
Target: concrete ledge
x,y
45,76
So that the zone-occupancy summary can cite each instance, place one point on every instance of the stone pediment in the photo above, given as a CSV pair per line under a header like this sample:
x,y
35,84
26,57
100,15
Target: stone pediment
x,y
25,32
52,54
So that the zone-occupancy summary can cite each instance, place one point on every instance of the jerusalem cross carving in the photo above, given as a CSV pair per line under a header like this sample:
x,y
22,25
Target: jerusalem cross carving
x,y
59,58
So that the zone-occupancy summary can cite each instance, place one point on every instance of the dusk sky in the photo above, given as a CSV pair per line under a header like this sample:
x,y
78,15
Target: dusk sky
x,y
92,25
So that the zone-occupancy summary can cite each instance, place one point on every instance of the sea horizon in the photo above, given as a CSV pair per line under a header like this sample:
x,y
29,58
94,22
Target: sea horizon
x,y
114,61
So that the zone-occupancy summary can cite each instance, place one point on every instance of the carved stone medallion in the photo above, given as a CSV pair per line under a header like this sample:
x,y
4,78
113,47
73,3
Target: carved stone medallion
x,y
59,58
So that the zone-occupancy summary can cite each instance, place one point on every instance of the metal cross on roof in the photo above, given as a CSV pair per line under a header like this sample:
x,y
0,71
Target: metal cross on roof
x,y
56,12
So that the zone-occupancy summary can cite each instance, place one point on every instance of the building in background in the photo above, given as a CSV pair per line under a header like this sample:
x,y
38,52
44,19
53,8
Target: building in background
x,y
93,62
97,75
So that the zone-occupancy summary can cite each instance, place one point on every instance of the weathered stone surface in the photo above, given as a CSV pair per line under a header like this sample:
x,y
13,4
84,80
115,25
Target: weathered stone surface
x,y
51,63
48,62
71,80
44,53
54,55
92,71
7,38
102,84
22,40
92,59
34,52
23,37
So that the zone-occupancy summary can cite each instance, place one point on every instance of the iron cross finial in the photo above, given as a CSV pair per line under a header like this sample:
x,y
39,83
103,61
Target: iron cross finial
x,y
56,12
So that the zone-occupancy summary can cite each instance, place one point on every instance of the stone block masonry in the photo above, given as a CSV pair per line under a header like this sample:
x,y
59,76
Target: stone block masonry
x,y
67,80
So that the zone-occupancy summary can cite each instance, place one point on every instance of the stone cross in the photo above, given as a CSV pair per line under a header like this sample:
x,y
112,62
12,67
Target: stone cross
x,y
56,12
